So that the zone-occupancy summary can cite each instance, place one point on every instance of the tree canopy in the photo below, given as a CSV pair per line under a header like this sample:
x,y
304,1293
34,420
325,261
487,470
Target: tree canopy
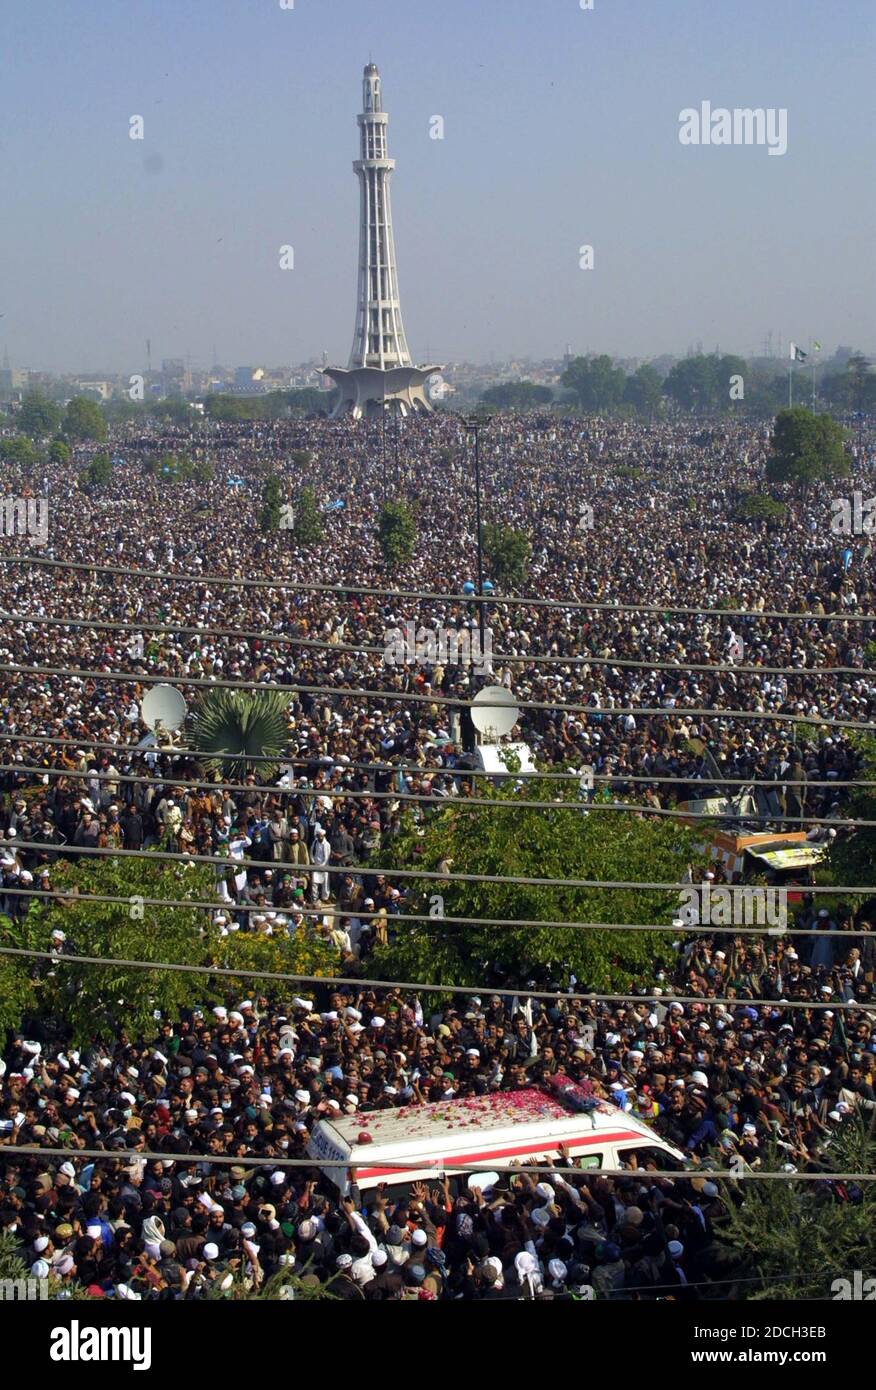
x,y
806,449
83,420
272,405
271,513
19,450
98,472
507,552
102,1001
397,533
568,842
232,727
702,382
308,528
517,395
793,1240
643,390
38,415
597,382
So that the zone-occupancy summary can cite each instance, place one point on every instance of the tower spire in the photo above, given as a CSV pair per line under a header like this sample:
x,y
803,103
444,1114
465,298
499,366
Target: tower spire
x,y
379,337
380,375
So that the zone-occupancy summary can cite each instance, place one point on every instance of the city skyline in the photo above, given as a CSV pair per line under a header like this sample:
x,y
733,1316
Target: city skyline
x,y
544,133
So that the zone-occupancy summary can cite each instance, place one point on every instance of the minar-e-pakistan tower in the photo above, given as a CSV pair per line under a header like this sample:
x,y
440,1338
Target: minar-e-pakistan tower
x,y
380,375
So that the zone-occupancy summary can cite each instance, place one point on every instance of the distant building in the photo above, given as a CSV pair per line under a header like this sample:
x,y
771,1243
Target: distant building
x,y
13,382
88,386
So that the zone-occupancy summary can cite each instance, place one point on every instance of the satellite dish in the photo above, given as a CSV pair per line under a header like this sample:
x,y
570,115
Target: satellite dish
x,y
163,707
494,711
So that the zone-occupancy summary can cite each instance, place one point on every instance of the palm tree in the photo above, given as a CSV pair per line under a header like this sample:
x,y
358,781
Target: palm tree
x,y
231,727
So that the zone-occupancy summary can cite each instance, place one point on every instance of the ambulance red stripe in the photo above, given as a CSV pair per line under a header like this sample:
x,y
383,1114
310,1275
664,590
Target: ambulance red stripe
x,y
486,1155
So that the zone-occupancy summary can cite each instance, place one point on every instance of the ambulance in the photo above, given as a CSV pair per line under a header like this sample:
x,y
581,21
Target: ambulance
x,y
783,860
473,1135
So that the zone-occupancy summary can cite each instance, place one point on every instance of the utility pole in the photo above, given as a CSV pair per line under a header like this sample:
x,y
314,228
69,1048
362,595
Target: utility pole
x,y
474,427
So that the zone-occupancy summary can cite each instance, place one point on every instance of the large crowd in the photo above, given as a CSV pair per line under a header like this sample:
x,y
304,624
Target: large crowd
x,y
249,1079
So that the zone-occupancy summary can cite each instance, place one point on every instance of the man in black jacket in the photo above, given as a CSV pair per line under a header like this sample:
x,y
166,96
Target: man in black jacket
x,y
132,829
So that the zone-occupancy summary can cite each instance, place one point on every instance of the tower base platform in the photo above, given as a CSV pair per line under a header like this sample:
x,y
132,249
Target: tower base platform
x,y
367,391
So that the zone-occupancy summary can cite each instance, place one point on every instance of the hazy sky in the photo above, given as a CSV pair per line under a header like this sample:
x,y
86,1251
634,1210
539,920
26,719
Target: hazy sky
x,y
561,129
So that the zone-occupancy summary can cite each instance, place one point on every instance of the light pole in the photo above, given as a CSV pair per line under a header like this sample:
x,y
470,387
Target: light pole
x,y
473,426
383,429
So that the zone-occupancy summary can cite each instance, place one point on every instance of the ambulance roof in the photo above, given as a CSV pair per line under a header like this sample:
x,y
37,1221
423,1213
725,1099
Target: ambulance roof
x,y
407,1124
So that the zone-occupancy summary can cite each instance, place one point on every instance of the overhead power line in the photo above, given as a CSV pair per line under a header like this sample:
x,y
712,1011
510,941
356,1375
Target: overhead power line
x,y
308,760
372,870
10,1153
586,996
339,588
505,804
71,897
359,648
407,696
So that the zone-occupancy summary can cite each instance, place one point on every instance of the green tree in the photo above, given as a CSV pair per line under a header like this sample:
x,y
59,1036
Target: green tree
x,y
806,449
766,391
270,515
507,552
702,383
98,472
20,450
17,991
59,452
232,726
756,506
699,383
281,1287
83,420
563,843
38,415
227,408
644,390
851,857
310,401
397,534
792,1240
121,410
97,1001
100,469
171,467
860,384
596,381
849,381
308,952
172,408
517,395
100,1001
308,522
